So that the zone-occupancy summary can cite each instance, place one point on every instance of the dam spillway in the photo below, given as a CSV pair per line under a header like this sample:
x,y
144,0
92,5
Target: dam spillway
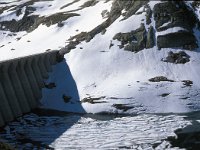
x,y
21,83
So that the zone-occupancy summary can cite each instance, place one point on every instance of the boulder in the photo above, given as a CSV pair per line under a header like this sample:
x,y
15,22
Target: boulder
x,y
159,79
181,39
177,58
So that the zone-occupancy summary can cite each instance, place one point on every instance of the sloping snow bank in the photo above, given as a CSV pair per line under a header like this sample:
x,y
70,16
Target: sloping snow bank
x,y
120,78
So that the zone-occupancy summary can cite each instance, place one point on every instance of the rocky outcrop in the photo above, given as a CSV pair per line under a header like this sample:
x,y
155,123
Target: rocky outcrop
x,y
150,37
149,14
182,39
31,22
177,58
175,13
136,40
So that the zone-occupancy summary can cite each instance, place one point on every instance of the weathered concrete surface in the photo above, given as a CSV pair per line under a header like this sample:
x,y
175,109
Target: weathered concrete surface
x,y
21,83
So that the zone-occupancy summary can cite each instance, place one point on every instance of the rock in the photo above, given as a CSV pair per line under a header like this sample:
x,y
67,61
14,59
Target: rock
x,y
176,13
60,24
66,98
187,137
93,100
148,15
159,79
181,39
31,22
177,58
150,38
111,44
103,31
123,107
89,3
131,7
105,14
50,85
164,94
133,41
187,82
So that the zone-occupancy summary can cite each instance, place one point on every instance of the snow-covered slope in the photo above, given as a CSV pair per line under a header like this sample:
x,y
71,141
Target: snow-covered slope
x,y
121,56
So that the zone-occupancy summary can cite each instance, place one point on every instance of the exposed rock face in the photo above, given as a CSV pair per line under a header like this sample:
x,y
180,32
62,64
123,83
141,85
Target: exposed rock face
x,y
175,14
167,15
177,58
30,23
149,14
150,38
136,40
183,39
131,7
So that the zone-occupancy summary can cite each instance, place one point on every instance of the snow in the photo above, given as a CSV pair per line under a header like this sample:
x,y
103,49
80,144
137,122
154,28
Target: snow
x,y
9,15
95,131
113,76
93,70
171,30
48,8
48,36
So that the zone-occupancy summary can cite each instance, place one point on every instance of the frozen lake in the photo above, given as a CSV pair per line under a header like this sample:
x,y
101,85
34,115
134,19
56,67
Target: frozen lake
x,y
99,132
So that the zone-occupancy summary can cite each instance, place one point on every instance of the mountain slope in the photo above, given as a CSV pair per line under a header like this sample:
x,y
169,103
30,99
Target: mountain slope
x,y
124,56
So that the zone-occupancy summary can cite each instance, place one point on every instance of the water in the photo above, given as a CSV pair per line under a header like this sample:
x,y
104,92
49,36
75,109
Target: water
x,y
75,131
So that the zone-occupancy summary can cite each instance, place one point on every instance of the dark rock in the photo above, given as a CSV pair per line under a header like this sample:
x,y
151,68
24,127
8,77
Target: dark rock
x,y
29,23
19,12
177,58
89,3
176,13
111,44
48,50
4,146
60,24
131,7
133,41
50,85
69,4
164,94
187,82
92,100
159,79
66,98
59,57
150,38
105,14
148,15
103,31
18,38
182,39
123,107
187,138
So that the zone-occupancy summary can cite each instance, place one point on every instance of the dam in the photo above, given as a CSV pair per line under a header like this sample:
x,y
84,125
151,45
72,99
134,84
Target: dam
x,y
21,83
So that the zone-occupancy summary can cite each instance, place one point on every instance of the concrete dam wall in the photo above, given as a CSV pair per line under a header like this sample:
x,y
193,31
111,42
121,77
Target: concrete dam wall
x,y
21,83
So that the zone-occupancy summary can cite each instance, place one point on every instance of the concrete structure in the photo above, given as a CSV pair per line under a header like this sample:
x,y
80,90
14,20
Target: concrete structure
x,y
21,83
